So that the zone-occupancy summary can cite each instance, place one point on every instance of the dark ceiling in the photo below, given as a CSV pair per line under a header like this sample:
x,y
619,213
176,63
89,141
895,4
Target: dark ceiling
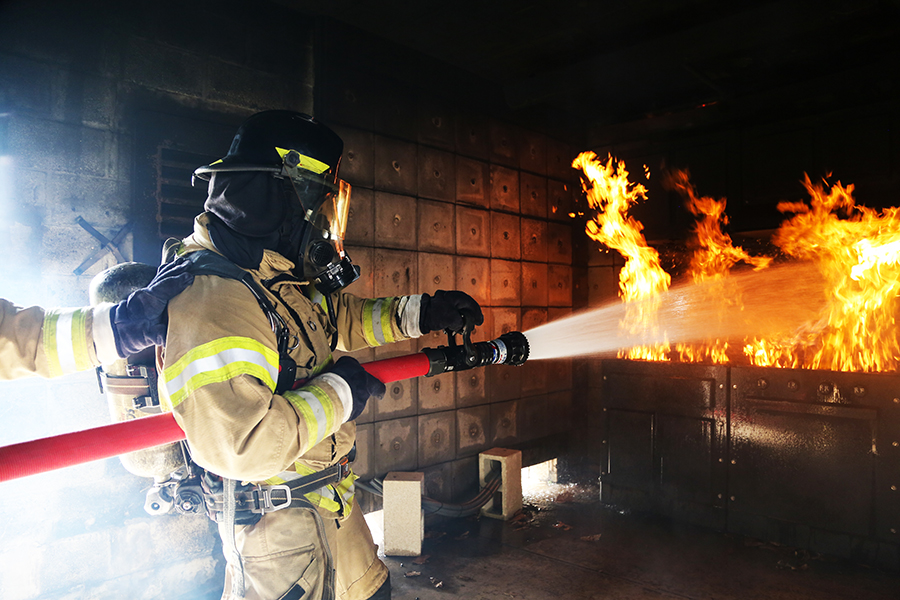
x,y
643,68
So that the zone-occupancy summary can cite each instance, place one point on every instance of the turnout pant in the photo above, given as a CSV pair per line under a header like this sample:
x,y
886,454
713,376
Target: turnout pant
x,y
283,550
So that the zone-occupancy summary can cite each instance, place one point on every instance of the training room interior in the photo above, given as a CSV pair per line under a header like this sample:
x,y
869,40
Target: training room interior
x,y
688,475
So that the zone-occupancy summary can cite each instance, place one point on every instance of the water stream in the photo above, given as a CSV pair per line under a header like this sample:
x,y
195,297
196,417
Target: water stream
x,y
771,302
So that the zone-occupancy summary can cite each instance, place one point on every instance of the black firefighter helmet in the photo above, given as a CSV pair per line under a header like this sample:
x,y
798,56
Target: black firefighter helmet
x,y
280,176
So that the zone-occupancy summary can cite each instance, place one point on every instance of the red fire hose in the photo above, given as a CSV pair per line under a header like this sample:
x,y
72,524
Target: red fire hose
x,y
48,454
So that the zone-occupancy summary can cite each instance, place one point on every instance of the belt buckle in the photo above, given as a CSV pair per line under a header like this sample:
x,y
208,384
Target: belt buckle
x,y
344,464
267,503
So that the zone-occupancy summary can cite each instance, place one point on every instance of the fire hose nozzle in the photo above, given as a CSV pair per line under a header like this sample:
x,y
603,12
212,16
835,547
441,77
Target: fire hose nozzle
x,y
509,349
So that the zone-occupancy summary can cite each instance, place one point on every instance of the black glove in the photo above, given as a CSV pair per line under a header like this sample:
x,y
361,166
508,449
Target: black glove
x,y
362,385
443,311
140,321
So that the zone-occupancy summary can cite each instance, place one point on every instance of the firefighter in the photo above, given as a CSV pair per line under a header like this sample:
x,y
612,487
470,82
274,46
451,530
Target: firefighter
x,y
54,342
248,368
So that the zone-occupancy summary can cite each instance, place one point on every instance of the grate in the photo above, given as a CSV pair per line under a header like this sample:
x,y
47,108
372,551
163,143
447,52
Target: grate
x,y
177,201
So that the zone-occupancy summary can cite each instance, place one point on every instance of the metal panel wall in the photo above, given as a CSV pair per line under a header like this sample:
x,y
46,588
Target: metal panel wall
x,y
804,458
815,460
664,434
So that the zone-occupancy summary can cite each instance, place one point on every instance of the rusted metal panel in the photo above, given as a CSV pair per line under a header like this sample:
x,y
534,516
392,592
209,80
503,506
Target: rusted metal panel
x,y
358,160
505,381
395,272
504,422
534,374
533,152
437,174
473,179
534,240
559,160
472,138
533,195
396,445
439,482
473,231
815,449
436,227
505,236
473,276
437,438
436,123
506,283
504,189
471,388
560,202
534,284
438,392
504,144
473,428
363,257
436,272
559,285
559,243
664,429
400,400
361,219
395,221
364,466
395,166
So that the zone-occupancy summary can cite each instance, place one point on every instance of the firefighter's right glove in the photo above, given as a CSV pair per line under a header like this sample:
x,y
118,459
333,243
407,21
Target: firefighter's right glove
x,y
140,321
444,311
362,384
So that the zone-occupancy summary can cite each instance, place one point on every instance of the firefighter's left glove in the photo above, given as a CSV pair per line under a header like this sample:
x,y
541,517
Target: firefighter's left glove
x,y
140,321
445,310
362,384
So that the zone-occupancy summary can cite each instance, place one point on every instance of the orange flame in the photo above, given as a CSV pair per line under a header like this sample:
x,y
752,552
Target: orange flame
x,y
857,250
642,279
714,254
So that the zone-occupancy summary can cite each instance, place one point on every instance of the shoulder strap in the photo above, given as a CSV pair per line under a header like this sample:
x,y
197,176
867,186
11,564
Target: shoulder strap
x,y
207,262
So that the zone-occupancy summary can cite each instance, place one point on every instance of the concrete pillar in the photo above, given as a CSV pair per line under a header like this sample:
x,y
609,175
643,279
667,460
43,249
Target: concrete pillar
x,y
404,519
507,500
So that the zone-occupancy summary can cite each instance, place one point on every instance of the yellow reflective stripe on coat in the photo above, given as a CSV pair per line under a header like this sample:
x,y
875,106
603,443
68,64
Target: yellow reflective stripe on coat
x,y
65,341
378,321
316,408
218,361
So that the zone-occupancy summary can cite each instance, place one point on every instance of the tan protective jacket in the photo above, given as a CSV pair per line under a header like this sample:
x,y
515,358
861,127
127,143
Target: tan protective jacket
x,y
220,368
54,342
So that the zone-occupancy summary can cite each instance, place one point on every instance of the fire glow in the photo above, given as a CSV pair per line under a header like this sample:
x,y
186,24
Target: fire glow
x,y
855,249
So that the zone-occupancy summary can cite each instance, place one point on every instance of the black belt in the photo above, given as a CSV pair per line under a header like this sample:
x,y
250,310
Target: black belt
x,y
262,499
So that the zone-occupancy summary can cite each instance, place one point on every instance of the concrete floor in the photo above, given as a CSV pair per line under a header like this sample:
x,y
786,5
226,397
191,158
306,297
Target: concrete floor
x,y
569,546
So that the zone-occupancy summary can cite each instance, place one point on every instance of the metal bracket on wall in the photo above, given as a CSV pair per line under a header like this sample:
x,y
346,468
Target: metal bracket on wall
x,y
106,244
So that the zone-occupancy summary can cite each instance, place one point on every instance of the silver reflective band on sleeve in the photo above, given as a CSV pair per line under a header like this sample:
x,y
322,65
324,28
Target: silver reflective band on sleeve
x,y
104,338
343,392
410,310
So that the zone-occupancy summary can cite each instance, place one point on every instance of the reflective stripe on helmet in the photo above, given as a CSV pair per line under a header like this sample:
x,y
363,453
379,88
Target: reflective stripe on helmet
x,y
378,321
65,341
305,162
218,361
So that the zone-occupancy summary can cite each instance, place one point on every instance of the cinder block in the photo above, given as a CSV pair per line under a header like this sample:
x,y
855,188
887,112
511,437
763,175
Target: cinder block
x,y
507,500
404,519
